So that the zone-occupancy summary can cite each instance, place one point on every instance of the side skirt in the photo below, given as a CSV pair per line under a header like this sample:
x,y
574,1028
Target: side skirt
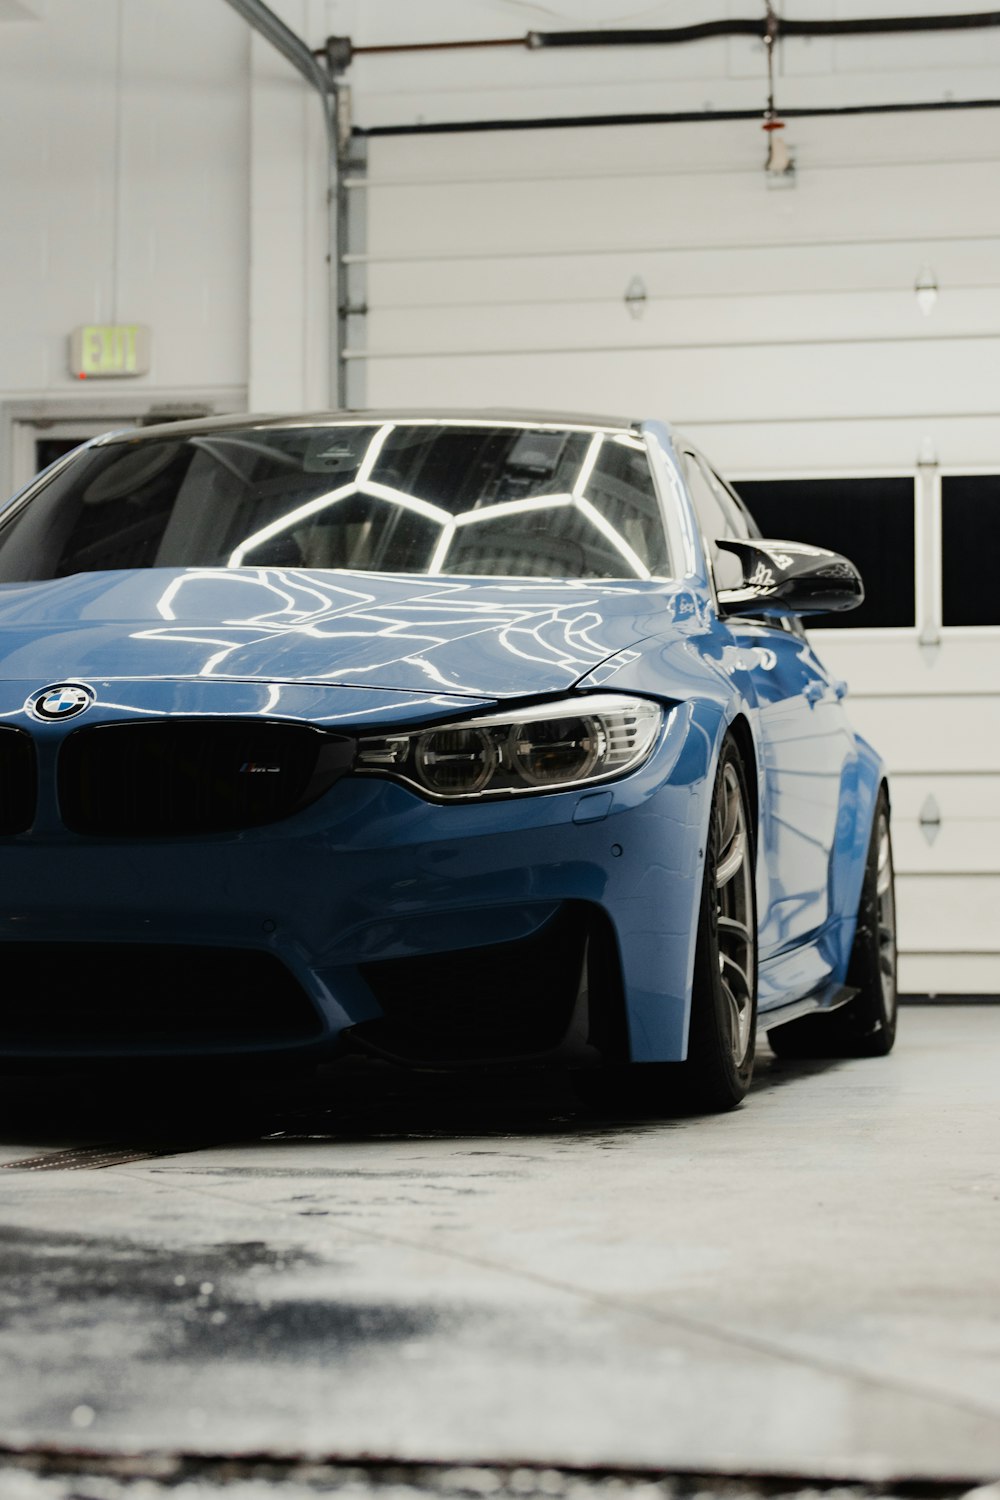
x,y
829,996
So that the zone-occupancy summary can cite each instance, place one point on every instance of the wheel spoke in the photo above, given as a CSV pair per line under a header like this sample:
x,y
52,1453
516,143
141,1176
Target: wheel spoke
x,y
735,1023
731,861
735,938
731,927
736,989
734,975
883,879
729,809
886,922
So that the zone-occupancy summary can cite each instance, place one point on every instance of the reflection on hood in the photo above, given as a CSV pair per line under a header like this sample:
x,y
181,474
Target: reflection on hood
x,y
400,631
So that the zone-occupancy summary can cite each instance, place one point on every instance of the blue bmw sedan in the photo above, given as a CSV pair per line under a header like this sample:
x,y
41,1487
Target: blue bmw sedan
x,y
461,739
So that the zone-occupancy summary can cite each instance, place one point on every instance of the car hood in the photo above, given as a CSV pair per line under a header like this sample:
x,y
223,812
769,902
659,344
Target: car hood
x,y
481,638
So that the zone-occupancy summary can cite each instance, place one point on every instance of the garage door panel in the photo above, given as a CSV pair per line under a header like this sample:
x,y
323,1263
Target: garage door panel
x,y
775,448
874,663
669,322
959,846
962,734
735,271
949,974
572,215
673,150
689,385
948,913
963,799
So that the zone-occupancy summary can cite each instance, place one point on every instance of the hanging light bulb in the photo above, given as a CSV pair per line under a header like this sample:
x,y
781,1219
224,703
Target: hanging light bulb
x,y
926,290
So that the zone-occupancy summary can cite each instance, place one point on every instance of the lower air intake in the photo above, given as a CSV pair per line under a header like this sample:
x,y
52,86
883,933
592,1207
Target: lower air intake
x,y
507,1001
130,997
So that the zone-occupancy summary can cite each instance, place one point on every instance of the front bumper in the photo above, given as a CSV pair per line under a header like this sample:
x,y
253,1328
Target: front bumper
x,y
440,933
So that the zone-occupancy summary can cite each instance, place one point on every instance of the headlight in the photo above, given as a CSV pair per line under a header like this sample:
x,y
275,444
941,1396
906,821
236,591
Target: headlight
x,y
544,748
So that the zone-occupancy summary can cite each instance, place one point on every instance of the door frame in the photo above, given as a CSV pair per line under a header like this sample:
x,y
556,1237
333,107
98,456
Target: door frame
x,y
22,420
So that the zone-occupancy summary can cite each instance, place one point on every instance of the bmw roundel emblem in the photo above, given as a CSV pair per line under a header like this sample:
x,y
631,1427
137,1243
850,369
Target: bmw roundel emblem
x,y
64,700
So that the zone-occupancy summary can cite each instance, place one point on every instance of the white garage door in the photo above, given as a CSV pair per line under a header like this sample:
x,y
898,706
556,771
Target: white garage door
x,y
650,270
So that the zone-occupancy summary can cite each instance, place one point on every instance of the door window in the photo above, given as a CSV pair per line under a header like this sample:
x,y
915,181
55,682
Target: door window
x,y
717,517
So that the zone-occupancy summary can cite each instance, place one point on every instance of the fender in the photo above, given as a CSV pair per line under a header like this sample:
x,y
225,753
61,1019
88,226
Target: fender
x,y
657,928
854,831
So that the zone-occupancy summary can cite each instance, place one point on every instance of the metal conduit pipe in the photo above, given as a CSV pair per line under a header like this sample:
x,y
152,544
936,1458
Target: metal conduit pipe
x,y
671,36
675,117
783,26
323,80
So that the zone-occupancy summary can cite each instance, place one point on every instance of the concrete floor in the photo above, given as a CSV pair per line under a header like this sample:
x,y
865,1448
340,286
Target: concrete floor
x,y
80,1480
431,1271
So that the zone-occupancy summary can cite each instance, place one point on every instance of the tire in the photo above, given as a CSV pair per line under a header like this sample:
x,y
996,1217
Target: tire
x,y
866,1025
721,1042
722,1039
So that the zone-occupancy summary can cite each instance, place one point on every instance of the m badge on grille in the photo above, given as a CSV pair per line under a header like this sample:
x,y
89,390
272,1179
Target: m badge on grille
x,y
64,700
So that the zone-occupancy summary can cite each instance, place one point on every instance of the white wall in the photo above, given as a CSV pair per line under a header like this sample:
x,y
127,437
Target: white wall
x,y
124,187
289,353
159,164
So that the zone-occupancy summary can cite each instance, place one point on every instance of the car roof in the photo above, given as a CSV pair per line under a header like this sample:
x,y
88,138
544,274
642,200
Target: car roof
x,y
473,416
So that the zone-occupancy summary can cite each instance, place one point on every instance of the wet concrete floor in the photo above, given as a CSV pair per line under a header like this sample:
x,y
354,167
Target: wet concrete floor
x,y
480,1273
188,1480
228,1481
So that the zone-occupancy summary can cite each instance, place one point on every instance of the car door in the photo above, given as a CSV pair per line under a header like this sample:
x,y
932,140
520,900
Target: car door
x,y
807,749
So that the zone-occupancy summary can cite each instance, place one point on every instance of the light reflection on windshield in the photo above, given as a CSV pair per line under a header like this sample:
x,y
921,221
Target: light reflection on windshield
x,y
498,500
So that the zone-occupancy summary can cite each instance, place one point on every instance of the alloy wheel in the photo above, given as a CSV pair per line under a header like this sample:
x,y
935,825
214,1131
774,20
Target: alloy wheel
x,y
886,915
734,911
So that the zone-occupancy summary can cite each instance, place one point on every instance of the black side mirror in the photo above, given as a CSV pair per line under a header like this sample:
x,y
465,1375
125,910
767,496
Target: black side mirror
x,y
789,578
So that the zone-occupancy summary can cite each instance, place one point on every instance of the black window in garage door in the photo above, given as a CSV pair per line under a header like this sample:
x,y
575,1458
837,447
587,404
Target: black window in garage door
x,y
871,521
970,530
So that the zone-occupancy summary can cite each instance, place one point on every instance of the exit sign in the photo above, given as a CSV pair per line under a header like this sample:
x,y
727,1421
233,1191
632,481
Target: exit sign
x,y
101,350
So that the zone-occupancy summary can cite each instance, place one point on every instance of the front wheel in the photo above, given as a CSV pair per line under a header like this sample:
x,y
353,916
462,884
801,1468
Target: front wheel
x,y
722,1037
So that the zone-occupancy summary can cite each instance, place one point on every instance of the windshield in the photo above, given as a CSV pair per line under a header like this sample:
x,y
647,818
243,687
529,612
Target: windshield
x,y
504,500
